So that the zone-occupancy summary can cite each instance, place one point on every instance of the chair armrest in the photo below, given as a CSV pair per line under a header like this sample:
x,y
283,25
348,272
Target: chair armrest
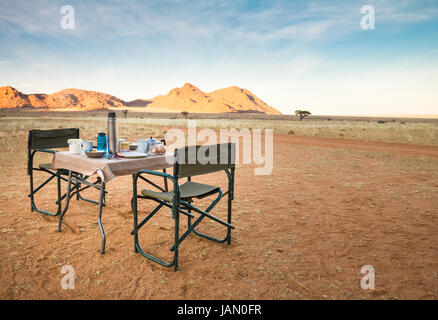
x,y
31,155
154,173
44,150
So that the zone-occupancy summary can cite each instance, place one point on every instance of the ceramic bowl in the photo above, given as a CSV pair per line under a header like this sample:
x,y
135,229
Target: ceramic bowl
x,y
95,154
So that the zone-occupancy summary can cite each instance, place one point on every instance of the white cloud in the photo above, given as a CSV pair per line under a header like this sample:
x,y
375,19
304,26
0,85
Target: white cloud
x,y
304,21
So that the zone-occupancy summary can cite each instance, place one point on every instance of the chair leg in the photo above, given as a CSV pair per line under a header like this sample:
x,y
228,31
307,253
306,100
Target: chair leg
x,y
135,231
137,247
75,189
31,190
197,221
227,238
175,209
30,171
139,225
188,231
33,206
80,197
189,219
230,199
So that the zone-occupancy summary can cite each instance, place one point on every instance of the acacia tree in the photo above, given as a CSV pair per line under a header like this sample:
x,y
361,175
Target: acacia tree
x,y
185,114
125,112
302,114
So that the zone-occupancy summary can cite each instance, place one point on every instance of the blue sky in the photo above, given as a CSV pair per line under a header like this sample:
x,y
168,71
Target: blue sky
x,y
291,54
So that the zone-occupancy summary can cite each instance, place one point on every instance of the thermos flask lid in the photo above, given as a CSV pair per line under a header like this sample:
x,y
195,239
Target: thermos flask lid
x,y
101,134
111,115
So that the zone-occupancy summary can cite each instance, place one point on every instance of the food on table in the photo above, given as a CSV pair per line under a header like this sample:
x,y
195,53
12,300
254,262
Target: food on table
x,y
124,146
158,149
133,146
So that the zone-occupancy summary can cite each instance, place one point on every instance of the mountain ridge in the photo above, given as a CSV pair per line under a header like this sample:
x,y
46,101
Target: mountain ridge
x,y
186,98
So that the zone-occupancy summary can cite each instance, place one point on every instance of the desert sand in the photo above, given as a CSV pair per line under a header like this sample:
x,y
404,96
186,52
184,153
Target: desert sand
x,y
304,232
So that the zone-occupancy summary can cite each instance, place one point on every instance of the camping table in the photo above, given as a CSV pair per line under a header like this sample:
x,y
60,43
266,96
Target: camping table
x,y
107,170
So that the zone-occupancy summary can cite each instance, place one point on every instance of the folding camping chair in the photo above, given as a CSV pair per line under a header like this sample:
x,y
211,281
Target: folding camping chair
x,y
44,141
188,163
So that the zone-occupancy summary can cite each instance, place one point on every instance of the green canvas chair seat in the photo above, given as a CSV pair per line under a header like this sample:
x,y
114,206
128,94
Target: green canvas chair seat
x,y
180,200
187,190
47,166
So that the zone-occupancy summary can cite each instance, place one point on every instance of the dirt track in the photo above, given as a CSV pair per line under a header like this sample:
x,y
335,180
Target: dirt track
x,y
329,207
393,148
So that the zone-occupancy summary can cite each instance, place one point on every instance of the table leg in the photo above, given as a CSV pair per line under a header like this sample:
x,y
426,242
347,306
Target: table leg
x,y
99,217
66,202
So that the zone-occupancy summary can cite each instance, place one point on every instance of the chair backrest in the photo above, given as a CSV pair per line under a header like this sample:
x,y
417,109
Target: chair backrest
x,y
47,139
197,160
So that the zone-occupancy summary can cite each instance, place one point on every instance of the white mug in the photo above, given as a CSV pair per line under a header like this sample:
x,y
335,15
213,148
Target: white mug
x,y
87,146
74,146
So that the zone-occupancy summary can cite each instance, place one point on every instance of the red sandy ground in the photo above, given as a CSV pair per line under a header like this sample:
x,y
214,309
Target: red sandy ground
x,y
304,232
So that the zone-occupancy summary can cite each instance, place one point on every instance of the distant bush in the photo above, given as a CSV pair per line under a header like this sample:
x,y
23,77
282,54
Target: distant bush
x,y
380,121
291,132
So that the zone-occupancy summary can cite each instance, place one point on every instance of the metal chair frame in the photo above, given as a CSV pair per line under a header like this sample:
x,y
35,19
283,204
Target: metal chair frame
x,y
183,206
59,174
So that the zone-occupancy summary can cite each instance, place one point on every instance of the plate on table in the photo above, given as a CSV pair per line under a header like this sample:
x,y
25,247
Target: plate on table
x,y
132,155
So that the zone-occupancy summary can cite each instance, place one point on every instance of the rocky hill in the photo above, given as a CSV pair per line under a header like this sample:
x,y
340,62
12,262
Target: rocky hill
x,y
187,98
